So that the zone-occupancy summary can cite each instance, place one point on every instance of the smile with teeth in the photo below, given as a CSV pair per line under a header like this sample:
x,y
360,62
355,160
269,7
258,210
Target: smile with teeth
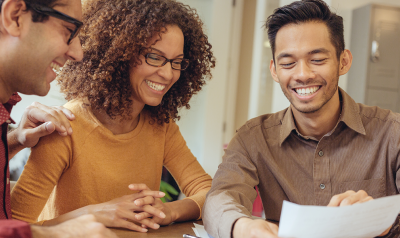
x,y
306,91
56,68
155,86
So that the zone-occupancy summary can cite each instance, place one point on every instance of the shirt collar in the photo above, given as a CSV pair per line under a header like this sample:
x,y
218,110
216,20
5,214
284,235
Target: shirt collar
x,y
350,115
5,109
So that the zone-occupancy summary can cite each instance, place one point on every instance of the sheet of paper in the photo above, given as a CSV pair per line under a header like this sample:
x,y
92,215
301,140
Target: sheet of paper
x,y
200,231
360,220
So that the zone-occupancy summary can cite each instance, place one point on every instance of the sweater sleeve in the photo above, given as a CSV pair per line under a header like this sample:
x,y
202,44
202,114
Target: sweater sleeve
x,y
193,181
48,160
14,229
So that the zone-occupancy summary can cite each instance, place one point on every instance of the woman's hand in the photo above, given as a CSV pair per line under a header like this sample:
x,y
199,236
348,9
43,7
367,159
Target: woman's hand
x,y
159,205
120,212
148,204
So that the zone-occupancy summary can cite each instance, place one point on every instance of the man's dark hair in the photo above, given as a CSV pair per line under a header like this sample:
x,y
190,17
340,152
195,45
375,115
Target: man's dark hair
x,y
36,17
306,11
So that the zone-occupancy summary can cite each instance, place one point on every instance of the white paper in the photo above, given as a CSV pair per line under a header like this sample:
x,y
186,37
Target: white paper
x,y
200,231
367,219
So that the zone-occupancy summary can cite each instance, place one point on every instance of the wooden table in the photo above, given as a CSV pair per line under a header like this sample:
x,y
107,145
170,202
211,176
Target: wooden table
x,y
172,231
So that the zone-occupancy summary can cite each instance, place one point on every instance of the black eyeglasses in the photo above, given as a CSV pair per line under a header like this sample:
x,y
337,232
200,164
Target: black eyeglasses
x,y
54,13
159,61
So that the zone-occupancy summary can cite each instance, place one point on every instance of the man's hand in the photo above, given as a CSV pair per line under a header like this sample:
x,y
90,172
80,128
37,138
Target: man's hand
x,y
39,120
81,227
349,198
248,228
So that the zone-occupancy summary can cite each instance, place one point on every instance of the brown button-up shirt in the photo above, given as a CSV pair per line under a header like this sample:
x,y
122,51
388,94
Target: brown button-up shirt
x,y
361,152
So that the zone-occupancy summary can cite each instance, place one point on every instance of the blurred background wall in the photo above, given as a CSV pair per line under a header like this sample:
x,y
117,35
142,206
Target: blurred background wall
x,y
241,87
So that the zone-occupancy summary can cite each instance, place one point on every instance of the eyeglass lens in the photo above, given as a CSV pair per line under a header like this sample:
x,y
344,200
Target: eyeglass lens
x,y
158,61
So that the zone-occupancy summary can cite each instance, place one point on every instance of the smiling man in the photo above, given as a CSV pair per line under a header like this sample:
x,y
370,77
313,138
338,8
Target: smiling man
x,y
324,149
37,37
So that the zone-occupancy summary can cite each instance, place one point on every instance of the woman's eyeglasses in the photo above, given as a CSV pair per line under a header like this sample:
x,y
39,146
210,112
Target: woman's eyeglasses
x,y
159,61
59,15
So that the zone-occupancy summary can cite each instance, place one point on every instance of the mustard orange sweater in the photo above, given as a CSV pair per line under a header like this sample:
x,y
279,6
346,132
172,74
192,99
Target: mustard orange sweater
x,y
94,166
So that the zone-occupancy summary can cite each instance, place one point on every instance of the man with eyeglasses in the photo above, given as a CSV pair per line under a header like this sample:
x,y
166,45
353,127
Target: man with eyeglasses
x,y
37,37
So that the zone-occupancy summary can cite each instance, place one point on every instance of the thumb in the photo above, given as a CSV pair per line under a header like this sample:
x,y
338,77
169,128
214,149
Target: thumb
x,y
44,129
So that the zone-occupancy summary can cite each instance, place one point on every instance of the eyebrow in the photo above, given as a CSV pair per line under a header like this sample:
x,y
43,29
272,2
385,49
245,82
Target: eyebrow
x,y
163,52
316,51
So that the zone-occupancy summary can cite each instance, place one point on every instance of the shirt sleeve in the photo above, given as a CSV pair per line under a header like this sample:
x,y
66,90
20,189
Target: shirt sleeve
x,y
14,229
39,177
193,181
232,193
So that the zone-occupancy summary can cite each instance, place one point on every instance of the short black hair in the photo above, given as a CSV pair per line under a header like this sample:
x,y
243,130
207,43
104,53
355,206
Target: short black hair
x,y
306,11
36,17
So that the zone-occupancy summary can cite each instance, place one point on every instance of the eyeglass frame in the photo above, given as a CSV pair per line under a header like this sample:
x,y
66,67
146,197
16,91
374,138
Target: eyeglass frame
x,y
166,61
48,11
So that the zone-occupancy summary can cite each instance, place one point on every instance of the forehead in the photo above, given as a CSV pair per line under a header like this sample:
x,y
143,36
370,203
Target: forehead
x,y
72,8
303,38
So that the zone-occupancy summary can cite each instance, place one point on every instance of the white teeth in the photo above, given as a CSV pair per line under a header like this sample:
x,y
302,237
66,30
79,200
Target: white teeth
x,y
56,68
306,91
155,86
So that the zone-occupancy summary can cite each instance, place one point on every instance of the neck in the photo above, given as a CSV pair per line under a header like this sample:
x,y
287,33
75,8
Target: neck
x,y
319,123
5,87
118,125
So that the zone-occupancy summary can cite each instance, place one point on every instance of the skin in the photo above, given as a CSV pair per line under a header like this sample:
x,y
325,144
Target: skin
x,y
305,57
143,207
32,47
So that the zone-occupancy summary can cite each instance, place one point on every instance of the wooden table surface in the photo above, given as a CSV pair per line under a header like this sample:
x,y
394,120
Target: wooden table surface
x,y
172,231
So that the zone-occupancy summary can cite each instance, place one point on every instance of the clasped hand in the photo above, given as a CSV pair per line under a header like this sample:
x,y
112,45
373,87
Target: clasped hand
x,y
137,211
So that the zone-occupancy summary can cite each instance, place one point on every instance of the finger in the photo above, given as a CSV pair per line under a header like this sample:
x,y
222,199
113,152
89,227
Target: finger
x,y
66,112
337,199
148,200
350,200
138,187
37,116
131,226
154,211
143,215
145,193
59,115
127,215
366,199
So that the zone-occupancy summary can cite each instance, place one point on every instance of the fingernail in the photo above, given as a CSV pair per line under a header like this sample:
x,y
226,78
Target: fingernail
x,y
131,186
162,214
72,115
63,128
144,230
137,203
156,226
137,217
70,130
162,194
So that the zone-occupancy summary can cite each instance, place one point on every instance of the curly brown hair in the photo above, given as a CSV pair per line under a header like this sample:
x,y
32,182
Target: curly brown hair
x,y
114,33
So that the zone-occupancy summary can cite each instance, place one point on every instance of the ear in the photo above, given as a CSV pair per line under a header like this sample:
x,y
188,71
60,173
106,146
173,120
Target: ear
x,y
346,59
272,69
12,14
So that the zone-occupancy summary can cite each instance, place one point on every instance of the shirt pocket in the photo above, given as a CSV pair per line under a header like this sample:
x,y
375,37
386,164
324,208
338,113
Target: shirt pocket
x,y
374,187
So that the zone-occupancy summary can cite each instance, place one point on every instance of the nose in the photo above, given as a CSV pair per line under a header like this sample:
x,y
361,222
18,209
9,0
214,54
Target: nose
x,y
75,52
303,71
166,71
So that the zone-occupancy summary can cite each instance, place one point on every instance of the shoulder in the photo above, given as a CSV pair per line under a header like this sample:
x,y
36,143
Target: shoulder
x,y
380,115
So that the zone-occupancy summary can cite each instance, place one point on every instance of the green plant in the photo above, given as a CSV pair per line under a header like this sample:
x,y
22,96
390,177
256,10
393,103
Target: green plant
x,y
167,189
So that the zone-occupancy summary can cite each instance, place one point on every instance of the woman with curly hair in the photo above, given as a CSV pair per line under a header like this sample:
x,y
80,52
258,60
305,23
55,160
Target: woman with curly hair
x,y
143,60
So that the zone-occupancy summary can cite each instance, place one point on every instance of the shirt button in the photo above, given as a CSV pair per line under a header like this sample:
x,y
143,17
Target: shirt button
x,y
8,122
320,153
322,186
